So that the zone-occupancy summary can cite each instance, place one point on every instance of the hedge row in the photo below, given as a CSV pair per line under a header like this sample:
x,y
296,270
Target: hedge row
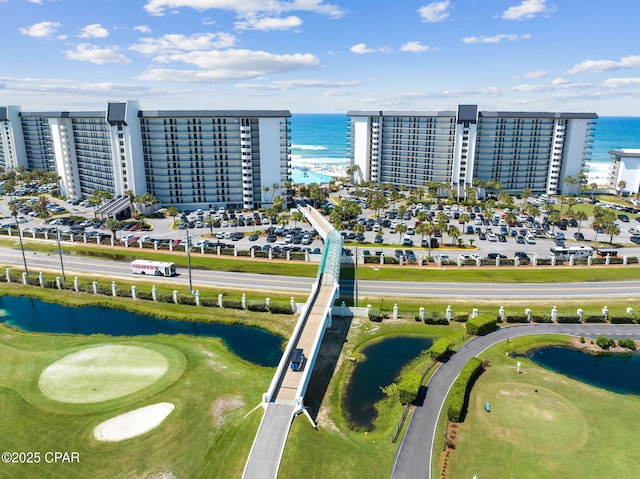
x,y
440,348
483,323
460,390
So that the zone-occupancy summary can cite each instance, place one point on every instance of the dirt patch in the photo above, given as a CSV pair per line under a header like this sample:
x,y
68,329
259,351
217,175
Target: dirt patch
x,y
222,406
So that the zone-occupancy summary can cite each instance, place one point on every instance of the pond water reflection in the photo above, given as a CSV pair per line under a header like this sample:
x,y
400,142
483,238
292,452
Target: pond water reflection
x,y
384,361
614,372
249,343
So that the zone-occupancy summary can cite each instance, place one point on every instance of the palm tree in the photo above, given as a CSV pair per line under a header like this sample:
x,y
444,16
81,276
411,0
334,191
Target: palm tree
x,y
173,212
580,216
401,229
295,217
41,207
526,194
209,221
454,233
266,189
621,186
113,225
275,187
612,229
402,209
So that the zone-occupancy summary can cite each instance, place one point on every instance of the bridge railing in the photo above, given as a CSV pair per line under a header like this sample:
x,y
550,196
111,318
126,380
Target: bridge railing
x,y
295,335
302,388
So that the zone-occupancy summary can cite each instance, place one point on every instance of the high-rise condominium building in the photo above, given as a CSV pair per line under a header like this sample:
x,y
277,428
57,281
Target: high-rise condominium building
x,y
188,158
516,150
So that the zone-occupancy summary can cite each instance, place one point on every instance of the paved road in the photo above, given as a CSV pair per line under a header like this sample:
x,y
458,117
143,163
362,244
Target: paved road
x,y
80,265
414,457
113,269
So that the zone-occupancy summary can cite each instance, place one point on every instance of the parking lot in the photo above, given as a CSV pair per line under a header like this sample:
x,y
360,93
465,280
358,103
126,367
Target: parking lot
x,y
482,237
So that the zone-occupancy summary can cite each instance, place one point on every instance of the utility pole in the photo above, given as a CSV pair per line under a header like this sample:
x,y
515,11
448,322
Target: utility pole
x,y
188,248
64,278
14,213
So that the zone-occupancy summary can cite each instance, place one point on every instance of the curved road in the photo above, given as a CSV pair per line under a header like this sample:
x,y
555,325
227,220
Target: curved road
x,y
263,282
414,457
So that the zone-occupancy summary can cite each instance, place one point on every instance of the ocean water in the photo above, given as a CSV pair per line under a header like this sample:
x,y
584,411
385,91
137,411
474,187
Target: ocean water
x,y
319,140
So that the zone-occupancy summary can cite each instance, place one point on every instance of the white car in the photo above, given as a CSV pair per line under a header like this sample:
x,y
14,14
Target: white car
x,y
492,237
634,231
530,240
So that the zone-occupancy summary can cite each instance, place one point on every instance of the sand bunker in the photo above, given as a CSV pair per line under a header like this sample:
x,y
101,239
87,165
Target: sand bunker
x,y
133,423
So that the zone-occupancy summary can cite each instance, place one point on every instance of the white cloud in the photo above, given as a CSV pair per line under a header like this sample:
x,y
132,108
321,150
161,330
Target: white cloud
x,y
415,47
534,74
631,61
621,82
245,7
142,29
362,49
303,83
434,12
497,38
526,10
228,65
269,23
41,30
37,2
94,31
175,43
93,54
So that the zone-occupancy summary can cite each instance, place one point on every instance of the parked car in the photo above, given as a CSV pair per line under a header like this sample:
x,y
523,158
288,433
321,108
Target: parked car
x,y
578,236
521,256
495,256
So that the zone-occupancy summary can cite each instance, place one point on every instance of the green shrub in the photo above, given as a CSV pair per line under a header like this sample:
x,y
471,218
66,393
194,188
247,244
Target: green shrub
x,y
594,319
604,342
276,308
545,318
567,318
433,317
483,323
375,315
231,303
627,343
257,306
461,316
621,319
460,390
409,387
516,318
440,348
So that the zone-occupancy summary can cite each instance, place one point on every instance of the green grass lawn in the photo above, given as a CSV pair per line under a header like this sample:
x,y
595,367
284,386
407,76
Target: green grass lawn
x,y
543,424
207,435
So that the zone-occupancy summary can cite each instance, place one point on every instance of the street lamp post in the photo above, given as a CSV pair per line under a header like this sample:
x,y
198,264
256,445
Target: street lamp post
x,y
24,259
64,278
188,248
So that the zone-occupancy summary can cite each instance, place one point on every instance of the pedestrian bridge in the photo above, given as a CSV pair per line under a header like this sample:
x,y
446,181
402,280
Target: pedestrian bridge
x,y
285,397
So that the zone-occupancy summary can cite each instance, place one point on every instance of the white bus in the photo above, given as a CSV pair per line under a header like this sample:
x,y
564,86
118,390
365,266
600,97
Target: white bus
x,y
570,252
156,268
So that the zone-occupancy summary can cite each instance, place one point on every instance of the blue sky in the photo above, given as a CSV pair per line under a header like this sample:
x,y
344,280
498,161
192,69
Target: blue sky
x,y
322,56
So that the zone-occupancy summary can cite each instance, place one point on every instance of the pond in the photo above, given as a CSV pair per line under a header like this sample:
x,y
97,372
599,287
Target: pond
x,y
383,363
252,344
613,372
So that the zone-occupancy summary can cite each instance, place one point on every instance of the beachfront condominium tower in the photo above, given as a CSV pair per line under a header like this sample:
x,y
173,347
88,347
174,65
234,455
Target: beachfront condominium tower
x,y
624,172
187,158
467,147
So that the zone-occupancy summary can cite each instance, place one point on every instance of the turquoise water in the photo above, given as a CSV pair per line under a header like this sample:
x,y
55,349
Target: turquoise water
x,y
384,360
613,372
255,345
321,139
